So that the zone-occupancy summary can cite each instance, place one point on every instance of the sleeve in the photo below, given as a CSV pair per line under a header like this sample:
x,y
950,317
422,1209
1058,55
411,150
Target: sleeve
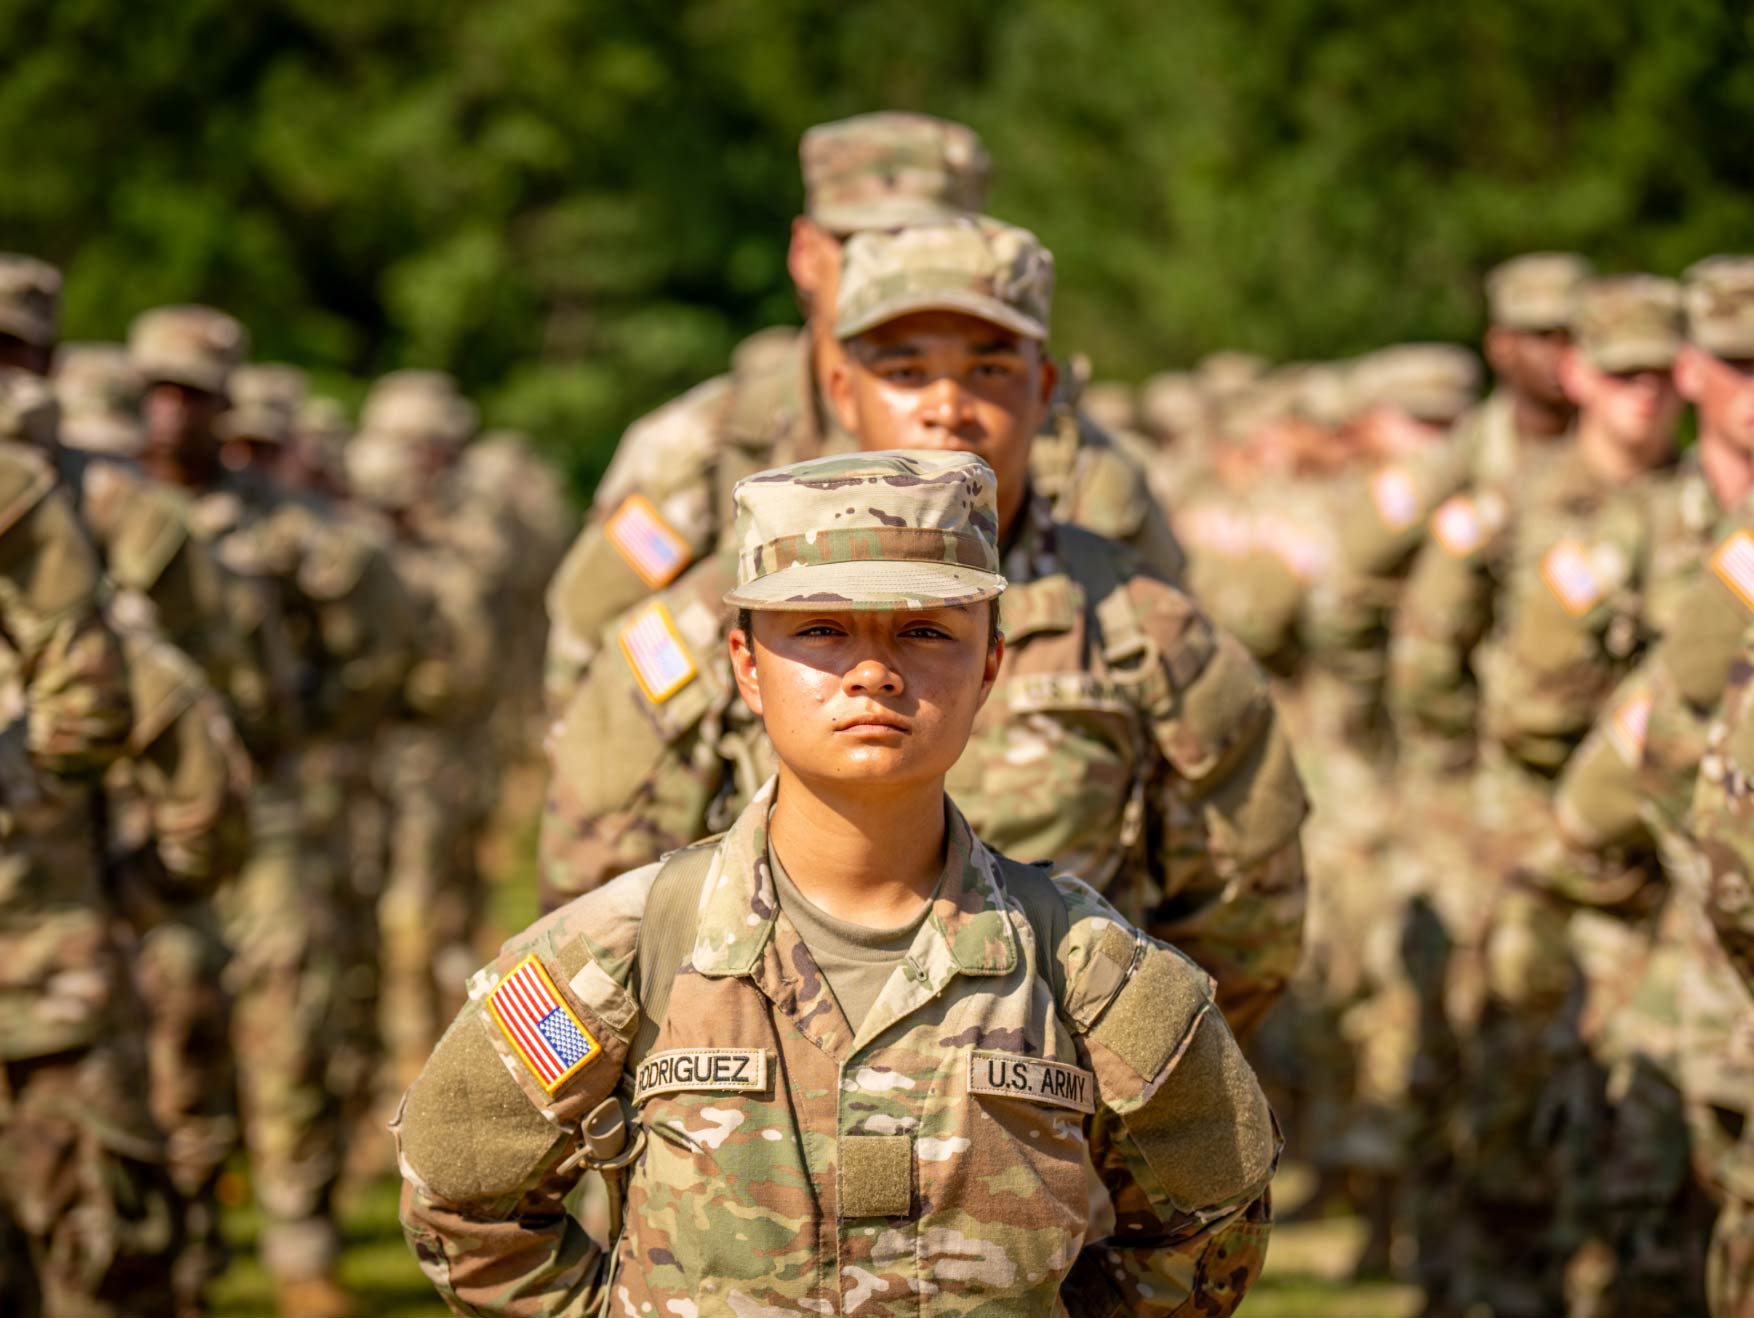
x,y
1723,819
1183,1139
1224,818
485,1136
365,627
77,711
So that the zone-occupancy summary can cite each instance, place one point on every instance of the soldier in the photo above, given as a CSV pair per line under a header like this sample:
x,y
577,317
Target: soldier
x,y
89,1221
844,1026
1128,738
99,395
661,505
30,312
431,767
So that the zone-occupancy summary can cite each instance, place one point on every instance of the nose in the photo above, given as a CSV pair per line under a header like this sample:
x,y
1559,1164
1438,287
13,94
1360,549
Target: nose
x,y
872,676
946,405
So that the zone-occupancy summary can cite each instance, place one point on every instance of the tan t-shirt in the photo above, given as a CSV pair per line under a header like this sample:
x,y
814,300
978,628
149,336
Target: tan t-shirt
x,y
855,960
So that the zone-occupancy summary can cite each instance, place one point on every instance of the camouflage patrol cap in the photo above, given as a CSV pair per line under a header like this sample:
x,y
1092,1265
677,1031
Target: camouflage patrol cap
x,y
28,411
194,346
1535,291
1111,404
385,470
1327,392
1720,306
99,393
881,171
868,532
977,265
30,299
1628,322
1434,382
265,402
419,406
1228,372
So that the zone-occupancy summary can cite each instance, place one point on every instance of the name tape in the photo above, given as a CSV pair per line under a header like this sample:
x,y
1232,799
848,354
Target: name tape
x,y
1032,1078
700,1070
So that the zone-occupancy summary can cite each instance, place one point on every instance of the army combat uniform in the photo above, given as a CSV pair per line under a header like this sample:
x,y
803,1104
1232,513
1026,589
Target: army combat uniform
x,y
1128,739
1040,1111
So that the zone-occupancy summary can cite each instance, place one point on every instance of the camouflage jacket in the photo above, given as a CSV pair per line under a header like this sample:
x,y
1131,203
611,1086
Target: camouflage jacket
x,y
1015,1128
1723,816
665,499
67,718
1127,740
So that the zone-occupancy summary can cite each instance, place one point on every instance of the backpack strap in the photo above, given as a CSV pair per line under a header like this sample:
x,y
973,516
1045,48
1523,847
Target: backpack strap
x,y
666,938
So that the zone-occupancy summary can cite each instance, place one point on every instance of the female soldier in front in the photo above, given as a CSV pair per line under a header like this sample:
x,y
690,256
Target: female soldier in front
x,y
888,1071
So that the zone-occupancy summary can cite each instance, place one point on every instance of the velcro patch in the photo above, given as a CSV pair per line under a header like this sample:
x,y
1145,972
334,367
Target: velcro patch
x,y
1628,725
654,650
1571,576
1458,526
701,1070
641,536
1395,497
1034,1078
1734,564
540,1027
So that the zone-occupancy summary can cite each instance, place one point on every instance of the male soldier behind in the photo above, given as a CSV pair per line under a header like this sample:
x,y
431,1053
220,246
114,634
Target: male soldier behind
x,y
662,504
794,1010
1127,739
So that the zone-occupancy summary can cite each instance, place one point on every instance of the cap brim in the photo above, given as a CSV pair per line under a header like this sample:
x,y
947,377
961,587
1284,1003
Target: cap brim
x,y
969,303
898,213
172,372
867,586
1637,355
28,329
1731,345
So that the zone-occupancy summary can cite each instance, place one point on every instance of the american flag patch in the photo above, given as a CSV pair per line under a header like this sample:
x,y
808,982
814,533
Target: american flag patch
x,y
655,652
1458,526
1628,726
541,1028
642,537
1734,564
1567,571
1396,498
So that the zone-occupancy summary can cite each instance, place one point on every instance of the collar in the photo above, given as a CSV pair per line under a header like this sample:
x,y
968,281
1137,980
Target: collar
x,y
966,932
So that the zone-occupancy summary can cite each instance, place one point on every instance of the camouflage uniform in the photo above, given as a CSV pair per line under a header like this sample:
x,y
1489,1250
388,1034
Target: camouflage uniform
x,y
431,769
1089,1141
663,503
87,1214
1127,738
99,394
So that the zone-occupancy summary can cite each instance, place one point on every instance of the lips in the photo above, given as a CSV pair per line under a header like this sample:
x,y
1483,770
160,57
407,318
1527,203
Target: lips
x,y
872,719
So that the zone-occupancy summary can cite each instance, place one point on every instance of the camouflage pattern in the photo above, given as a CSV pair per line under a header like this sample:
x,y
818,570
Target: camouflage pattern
x,y
886,170
30,299
1718,294
194,346
1536,291
867,1169
89,1215
99,393
265,402
1100,749
1628,322
1721,807
975,265
1430,381
905,531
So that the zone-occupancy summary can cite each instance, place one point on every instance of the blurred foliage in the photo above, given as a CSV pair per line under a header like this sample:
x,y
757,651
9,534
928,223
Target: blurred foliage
x,y
580,206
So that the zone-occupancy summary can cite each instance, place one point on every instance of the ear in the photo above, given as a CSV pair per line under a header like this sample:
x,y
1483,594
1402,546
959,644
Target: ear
x,y
742,647
840,391
809,247
1690,369
1576,377
1500,349
995,657
1050,376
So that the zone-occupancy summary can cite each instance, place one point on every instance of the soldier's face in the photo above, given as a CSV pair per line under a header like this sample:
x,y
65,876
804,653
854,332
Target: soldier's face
x,y
1528,360
179,420
944,380
17,355
1723,391
1637,409
873,699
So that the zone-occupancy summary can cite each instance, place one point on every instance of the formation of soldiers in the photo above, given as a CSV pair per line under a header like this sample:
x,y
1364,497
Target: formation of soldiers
x,y
1427,732
1507,637
262,676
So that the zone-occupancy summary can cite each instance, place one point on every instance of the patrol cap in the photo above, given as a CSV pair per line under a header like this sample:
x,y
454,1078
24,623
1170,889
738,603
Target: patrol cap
x,y
30,299
1628,322
1327,393
385,470
265,402
976,265
418,406
1434,382
1535,291
191,345
1172,403
1719,295
1228,372
881,171
99,393
868,532
28,411
1110,403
